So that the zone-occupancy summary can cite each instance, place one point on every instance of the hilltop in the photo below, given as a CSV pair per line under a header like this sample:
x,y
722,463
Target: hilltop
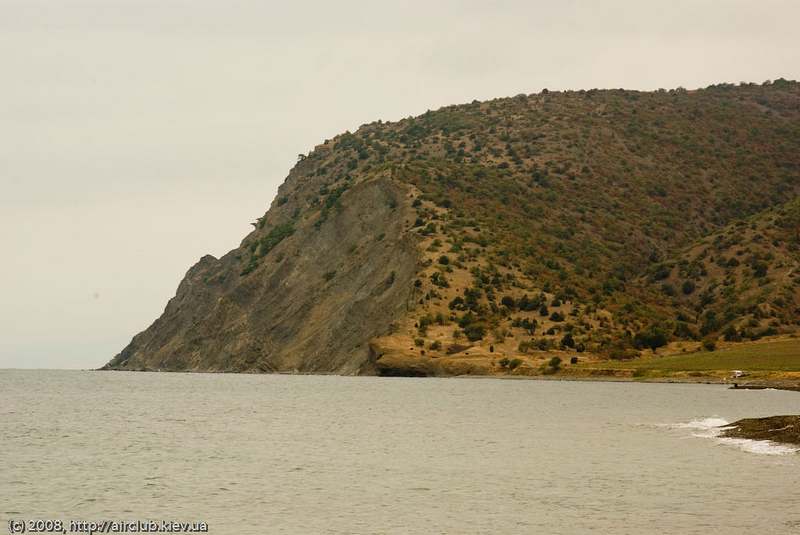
x,y
503,236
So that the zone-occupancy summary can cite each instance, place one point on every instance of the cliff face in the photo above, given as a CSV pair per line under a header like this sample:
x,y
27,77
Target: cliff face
x,y
490,237
311,304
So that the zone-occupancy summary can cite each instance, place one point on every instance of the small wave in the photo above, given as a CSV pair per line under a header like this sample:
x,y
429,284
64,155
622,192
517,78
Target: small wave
x,y
713,428
704,424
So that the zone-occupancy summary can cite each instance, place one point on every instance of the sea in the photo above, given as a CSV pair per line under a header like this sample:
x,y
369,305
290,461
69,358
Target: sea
x,y
301,454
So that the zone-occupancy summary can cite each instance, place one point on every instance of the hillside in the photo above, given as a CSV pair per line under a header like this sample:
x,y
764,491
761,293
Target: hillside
x,y
489,237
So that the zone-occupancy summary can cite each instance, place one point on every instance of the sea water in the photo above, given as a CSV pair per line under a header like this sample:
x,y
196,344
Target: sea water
x,y
262,454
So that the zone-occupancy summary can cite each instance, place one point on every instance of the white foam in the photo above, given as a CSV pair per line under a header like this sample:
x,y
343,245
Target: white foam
x,y
760,447
704,425
713,428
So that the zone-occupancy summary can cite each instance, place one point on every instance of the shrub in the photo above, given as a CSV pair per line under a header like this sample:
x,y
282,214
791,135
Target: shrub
x,y
424,322
429,229
709,344
688,287
419,342
760,269
555,363
568,341
435,346
514,364
731,334
474,332
444,260
652,337
508,301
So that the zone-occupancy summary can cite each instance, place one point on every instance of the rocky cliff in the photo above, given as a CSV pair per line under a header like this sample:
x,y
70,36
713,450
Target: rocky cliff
x,y
296,296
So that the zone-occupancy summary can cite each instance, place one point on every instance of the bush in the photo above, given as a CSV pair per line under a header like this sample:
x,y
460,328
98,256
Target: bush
x,y
444,260
731,334
514,364
555,363
688,287
435,346
760,269
652,337
567,341
709,344
474,332
429,229
508,301
419,342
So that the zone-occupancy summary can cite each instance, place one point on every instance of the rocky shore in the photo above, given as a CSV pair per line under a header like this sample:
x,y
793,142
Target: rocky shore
x,y
785,429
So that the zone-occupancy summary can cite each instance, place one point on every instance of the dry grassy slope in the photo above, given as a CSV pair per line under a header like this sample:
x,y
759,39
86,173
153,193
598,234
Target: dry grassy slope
x,y
569,200
743,280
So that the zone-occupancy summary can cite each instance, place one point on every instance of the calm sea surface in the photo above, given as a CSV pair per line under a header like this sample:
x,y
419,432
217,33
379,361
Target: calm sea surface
x,y
262,454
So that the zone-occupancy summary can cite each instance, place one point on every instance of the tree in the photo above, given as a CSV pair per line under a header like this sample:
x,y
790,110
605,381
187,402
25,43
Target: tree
x,y
474,332
688,287
652,337
731,334
568,341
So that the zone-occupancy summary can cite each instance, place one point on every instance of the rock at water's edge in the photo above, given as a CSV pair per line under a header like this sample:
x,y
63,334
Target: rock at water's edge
x,y
784,429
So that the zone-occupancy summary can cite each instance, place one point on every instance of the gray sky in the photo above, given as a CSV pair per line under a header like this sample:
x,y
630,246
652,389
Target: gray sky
x,y
138,135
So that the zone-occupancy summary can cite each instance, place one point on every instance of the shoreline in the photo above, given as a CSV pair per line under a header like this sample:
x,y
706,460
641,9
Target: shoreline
x,y
739,384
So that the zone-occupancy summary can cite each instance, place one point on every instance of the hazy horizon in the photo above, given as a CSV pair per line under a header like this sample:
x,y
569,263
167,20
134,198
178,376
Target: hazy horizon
x,y
138,136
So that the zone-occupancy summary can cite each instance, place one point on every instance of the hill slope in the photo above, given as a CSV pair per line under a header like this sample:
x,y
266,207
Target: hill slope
x,y
486,236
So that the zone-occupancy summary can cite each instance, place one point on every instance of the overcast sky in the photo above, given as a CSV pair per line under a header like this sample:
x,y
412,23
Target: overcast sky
x,y
138,135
